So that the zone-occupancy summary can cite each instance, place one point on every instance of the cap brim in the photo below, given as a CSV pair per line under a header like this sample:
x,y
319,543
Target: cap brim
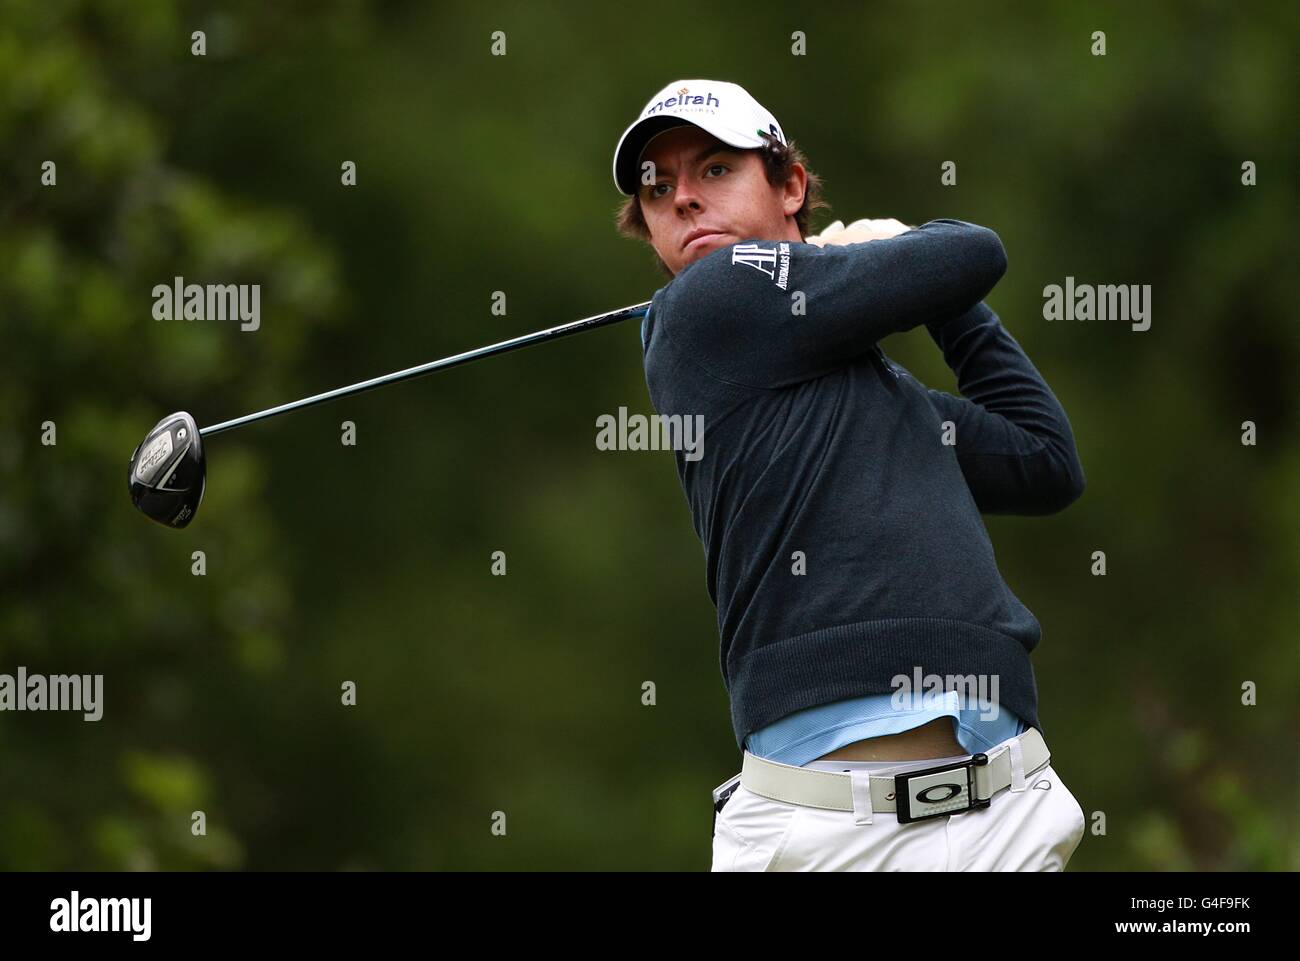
x,y
635,138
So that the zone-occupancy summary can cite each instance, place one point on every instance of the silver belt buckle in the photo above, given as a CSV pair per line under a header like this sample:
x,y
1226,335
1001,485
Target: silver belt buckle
x,y
932,791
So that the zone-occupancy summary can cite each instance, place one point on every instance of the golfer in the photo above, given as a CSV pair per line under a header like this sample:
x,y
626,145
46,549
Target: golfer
x,y
877,665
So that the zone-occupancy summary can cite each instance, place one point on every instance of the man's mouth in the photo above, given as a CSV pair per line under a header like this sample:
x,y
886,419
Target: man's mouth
x,y
700,235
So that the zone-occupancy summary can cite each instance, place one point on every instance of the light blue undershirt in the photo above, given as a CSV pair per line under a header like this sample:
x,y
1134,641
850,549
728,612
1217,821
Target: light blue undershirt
x,y
808,734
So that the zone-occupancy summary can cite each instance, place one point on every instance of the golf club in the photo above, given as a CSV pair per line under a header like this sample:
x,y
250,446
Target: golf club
x,y
168,472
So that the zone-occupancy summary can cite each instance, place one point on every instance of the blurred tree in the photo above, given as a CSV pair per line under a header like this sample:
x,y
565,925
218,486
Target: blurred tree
x,y
88,586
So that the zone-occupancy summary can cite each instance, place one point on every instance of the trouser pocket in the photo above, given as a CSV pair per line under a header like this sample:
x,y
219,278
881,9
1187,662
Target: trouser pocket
x,y
751,832
1078,820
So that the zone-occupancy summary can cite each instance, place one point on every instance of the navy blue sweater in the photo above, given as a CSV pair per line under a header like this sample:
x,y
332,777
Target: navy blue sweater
x,y
815,442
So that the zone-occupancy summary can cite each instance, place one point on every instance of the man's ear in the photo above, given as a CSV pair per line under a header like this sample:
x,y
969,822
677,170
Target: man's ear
x,y
796,185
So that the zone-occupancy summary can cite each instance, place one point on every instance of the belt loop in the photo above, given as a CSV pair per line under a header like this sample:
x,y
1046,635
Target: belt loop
x,y
1017,758
861,781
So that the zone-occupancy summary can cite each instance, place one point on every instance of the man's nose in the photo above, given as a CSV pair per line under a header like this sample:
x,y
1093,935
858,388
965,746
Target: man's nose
x,y
685,196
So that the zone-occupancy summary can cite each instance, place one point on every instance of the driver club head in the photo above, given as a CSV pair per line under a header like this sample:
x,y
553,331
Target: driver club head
x,y
167,471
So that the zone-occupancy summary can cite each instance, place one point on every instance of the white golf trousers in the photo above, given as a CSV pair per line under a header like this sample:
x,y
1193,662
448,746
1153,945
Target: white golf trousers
x,y
1035,829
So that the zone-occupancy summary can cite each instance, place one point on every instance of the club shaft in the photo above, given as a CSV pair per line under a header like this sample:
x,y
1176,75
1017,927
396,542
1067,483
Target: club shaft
x,y
541,336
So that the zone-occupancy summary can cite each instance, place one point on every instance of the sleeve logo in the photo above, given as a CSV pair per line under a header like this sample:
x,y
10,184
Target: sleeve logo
x,y
773,261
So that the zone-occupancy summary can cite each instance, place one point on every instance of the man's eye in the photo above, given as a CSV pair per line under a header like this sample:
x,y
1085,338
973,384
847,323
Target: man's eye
x,y
654,187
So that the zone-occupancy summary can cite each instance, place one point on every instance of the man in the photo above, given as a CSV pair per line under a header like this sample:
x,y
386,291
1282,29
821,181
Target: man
x,y
838,501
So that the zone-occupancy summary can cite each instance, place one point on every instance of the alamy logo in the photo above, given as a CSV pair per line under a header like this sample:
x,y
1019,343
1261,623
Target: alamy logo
x,y
1131,302
773,261
56,692
128,915
179,300
682,432
946,691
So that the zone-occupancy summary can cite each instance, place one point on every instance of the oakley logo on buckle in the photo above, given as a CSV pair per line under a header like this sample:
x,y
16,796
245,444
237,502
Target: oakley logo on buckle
x,y
952,789
934,791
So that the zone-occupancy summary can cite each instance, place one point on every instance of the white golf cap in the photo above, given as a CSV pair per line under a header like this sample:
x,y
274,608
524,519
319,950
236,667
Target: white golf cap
x,y
725,110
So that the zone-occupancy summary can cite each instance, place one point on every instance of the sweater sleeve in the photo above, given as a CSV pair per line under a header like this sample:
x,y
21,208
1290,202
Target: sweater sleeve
x,y
1014,442
737,311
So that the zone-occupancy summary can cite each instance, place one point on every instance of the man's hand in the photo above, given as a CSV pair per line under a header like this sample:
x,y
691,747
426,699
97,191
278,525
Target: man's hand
x,y
857,232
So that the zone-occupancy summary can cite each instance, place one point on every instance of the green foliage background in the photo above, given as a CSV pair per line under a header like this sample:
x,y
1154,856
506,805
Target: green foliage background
x,y
371,563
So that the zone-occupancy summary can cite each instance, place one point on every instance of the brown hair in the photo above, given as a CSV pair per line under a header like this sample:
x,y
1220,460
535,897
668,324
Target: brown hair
x,y
778,161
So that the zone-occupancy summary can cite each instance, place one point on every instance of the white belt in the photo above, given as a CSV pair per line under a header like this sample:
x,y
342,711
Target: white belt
x,y
931,791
